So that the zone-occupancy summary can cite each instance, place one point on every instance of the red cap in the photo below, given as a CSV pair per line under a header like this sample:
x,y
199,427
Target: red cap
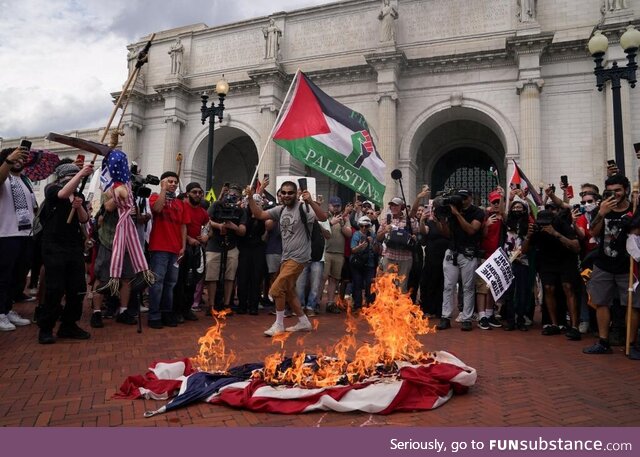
x,y
494,195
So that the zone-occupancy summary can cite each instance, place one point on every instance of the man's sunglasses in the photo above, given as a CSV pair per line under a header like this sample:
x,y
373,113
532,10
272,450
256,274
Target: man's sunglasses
x,y
293,192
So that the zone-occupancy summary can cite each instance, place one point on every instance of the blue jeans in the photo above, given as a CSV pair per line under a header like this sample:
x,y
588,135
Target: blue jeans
x,y
361,279
313,274
161,292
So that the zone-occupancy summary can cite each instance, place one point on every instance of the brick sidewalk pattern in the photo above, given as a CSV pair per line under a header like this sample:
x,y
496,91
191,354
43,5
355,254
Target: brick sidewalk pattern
x,y
524,379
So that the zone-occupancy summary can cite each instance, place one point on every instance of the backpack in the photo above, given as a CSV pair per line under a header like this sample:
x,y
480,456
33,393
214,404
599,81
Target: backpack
x,y
317,243
41,218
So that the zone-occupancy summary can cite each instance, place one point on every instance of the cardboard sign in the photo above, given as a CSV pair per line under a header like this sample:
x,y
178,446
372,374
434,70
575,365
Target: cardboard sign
x,y
496,272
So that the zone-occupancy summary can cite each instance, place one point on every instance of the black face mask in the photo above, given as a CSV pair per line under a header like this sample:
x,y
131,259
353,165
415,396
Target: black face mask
x,y
516,214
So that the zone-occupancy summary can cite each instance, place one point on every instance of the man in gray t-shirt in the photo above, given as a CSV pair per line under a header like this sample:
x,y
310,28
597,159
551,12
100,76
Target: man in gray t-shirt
x,y
296,250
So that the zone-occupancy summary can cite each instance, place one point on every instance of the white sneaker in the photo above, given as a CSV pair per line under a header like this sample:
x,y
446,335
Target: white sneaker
x,y
274,329
527,321
33,292
5,325
16,319
583,327
144,309
459,317
300,327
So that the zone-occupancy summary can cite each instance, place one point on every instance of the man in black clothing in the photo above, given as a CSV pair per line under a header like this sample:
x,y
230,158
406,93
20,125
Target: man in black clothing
x,y
228,222
462,227
251,262
62,254
610,274
557,248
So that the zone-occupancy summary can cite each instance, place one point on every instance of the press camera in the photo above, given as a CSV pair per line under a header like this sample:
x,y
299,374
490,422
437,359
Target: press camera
x,y
139,183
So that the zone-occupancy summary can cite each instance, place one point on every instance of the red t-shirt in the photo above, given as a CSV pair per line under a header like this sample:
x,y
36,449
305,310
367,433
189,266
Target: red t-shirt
x,y
589,243
197,218
491,241
166,232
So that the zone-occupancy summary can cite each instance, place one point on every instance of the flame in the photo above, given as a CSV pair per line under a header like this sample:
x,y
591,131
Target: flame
x,y
212,355
394,321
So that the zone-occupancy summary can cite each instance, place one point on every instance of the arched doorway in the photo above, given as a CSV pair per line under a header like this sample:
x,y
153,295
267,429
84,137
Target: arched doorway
x,y
235,157
461,153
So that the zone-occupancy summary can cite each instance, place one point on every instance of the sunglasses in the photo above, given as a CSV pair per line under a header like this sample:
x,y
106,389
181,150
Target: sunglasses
x,y
495,202
293,192
197,192
584,202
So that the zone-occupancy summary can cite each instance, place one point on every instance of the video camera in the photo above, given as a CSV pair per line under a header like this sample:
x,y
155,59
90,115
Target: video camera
x,y
228,208
448,197
544,219
138,183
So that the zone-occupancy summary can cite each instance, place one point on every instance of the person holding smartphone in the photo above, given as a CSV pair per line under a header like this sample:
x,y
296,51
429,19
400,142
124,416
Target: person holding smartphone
x,y
17,210
610,275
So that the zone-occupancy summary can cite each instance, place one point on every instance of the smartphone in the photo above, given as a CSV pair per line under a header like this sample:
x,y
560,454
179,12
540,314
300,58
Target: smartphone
x,y
611,163
425,187
226,185
302,184
388,218
359,198
319,199
568,190
265,177
518,186
26,145
636,146
564,180
607,194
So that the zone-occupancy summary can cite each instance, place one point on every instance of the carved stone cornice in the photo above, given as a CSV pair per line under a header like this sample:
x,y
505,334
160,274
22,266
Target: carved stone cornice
x,y
174,118
529,44
173,88
460,62
386,59
271,75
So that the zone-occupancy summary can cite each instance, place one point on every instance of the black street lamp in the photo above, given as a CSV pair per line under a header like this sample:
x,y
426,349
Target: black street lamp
x,y
222,89
598,44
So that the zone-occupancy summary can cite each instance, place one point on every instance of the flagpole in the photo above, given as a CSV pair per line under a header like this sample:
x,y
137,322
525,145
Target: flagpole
x,y
266,144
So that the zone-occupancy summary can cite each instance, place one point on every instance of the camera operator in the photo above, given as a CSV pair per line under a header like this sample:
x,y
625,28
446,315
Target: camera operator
x,y
228,222
398,241
557,249
611,266
141,212
461,259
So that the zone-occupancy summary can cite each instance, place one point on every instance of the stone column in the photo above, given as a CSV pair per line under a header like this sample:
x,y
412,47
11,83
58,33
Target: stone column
x,y
387,65
388,139
130,140
530,139
273,84
171,142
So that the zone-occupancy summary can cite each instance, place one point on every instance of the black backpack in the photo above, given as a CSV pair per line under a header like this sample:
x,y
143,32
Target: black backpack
x,y
317,243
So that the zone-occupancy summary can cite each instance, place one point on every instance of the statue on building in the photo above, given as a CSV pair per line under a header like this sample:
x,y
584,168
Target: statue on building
x,y
615,5
132,58
272,36
388,15
176,57
527,10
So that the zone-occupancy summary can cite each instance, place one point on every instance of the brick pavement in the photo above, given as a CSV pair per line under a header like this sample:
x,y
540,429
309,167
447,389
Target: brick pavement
x,y
523,378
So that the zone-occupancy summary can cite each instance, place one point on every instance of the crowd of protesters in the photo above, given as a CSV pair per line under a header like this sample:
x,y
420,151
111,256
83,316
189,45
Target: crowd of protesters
x,y
251,250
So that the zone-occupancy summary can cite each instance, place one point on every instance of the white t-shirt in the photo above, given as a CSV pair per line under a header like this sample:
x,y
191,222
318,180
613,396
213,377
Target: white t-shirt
x,y
8,216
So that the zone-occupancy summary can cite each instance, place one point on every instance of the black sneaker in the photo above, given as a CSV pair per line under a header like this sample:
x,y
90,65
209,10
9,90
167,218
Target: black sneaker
x,y
494,322
179,318
443,324
483,323
46,337
73,332
573,334
551,330
169,319
190,316
36,314
597,348
126,318
634,352
509,327
96,320
466,326
156,324
253,312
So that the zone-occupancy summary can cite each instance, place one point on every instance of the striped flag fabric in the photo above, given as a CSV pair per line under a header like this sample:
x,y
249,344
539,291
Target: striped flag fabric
x,y
332,139
519,179
413,387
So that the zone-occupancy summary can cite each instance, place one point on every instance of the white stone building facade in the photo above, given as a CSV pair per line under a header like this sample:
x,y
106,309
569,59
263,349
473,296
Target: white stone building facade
x,y
449,88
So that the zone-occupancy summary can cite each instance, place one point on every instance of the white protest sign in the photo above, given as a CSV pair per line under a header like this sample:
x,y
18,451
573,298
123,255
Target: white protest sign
x,y
496,272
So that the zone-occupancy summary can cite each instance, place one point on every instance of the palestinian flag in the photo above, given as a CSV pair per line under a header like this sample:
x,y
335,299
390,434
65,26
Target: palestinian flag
x,y
518,179
331,138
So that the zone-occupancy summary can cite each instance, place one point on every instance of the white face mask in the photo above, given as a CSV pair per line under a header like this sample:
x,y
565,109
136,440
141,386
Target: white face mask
x,y
590,207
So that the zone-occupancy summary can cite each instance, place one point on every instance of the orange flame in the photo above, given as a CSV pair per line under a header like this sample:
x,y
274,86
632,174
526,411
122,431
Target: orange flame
x,y
212,355
394,321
